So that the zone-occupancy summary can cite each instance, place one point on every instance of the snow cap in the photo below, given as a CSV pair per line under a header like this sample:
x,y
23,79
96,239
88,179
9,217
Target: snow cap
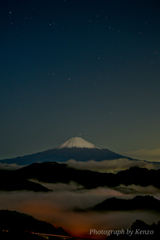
x,y
77,142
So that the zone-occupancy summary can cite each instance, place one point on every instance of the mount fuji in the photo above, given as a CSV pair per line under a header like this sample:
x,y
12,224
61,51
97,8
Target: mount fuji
x,y
75,148
77,142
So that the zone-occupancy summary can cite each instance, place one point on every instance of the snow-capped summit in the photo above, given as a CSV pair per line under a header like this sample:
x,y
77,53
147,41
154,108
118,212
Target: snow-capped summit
x,y
75,148
77,142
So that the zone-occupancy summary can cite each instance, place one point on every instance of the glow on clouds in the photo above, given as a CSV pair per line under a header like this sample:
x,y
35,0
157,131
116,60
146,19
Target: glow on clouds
x,y
145,154
57,208
109,165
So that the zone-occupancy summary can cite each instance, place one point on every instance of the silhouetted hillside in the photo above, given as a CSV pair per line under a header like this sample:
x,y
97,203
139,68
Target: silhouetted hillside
x,y
16,222
10,181
52,172
138,230
137,203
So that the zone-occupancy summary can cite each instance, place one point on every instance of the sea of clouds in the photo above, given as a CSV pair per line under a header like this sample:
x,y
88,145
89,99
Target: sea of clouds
x,y
57,207
112,165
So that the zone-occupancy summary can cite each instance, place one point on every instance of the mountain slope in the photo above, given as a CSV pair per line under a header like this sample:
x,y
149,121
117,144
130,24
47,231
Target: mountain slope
x,y
10,181
55,172
77,142
12,220
52,172
138,203
75,148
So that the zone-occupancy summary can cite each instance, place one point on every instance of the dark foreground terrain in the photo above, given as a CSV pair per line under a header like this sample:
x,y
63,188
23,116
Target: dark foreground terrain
x,y
52,172
18,223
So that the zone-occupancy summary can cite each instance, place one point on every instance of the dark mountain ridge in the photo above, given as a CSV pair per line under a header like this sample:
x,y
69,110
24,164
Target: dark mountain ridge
x,y
10,181
53,172
15,221
75,148
65,154
137,203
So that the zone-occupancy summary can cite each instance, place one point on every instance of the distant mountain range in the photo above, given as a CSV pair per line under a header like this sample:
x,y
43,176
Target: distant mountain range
x,y
75,148
116,204
52,172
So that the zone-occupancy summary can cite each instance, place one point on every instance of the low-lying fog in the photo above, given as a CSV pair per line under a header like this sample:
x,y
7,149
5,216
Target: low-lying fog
x,y
57,207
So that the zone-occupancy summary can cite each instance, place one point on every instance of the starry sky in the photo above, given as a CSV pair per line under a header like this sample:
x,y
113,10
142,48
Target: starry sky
x,y
88,68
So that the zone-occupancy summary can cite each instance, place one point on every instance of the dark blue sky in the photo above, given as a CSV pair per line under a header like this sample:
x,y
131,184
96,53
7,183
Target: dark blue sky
x,y
88,67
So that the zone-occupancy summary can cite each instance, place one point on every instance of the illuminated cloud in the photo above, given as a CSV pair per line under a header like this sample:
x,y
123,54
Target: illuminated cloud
x,y
56,208
109,165
145,154
13,166
136,189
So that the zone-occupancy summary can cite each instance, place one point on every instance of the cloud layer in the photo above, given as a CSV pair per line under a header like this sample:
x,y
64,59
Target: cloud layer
x,y
12,166
57,207
145,154
109,165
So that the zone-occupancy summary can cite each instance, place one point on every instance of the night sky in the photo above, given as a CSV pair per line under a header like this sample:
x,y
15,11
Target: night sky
x,y
88,68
